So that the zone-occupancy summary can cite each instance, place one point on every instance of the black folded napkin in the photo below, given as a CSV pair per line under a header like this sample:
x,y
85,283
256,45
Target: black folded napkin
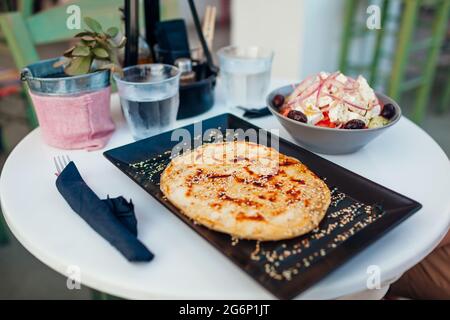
x,y
113,219
124,211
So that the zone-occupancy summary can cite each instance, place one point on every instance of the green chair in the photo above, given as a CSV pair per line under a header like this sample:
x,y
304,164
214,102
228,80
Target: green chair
x,y
432,44
23,31
25,8
98,295
444,78
353,30
445,100
397,83
3,231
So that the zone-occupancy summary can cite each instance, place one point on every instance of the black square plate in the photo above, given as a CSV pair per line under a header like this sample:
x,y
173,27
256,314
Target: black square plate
x,y
361,212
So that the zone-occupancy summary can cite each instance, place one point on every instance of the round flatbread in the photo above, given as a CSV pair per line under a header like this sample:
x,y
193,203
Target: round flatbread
x,y
247,190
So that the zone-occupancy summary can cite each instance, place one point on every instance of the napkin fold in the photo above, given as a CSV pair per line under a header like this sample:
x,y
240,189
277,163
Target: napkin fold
x,y
124,211
112,218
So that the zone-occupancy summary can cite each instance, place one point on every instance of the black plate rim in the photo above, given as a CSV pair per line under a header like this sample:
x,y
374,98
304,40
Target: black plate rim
x,y
338,255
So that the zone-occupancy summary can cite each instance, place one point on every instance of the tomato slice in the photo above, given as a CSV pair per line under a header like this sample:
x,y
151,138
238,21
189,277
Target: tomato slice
x,y
325,122
285,111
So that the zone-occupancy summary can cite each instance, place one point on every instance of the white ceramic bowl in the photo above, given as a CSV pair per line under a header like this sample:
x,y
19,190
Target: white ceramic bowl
x,y
329,140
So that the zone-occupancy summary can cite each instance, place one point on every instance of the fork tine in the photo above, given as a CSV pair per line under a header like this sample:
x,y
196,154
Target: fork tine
x,y
55,160
61,164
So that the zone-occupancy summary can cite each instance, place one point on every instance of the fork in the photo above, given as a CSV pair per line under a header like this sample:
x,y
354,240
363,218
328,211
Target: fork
x,y
60,163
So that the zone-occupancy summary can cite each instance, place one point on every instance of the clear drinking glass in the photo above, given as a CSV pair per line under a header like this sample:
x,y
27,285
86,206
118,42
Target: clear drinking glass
x,y
245,74
149,98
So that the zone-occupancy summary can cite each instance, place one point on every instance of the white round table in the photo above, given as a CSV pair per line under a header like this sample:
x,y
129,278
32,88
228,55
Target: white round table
x,y
404,159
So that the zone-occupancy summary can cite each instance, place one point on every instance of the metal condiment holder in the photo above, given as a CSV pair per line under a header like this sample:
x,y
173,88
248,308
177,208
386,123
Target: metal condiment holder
x,y
196,97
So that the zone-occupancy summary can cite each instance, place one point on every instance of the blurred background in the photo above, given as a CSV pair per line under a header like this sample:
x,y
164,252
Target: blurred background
x,y
401,46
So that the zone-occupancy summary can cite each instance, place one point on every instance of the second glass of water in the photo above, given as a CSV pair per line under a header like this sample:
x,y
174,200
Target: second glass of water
x,y
149,98
245,74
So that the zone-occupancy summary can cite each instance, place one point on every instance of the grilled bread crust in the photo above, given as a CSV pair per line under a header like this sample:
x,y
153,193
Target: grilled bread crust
x,y
247,190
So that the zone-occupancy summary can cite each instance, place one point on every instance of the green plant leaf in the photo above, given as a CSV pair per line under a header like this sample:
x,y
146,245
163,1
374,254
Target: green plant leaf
x,y
82,51
96,49
93,24
87,43
112,32
68,52
60,63
122,42
82,34
103,42
88,38
79,65
100,52
107,66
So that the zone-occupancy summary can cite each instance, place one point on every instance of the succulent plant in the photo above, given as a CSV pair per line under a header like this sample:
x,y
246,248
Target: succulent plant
x,y
96,50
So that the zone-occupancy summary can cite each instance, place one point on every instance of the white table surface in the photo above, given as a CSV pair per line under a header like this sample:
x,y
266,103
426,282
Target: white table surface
x,y
404,159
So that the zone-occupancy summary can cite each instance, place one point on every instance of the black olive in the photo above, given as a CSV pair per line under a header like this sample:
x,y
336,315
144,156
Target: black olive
x,y
388,111
297,116
278,100
354,124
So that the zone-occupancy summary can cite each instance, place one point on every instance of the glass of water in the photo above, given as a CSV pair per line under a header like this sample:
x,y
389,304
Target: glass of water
x,y
245,74
149,98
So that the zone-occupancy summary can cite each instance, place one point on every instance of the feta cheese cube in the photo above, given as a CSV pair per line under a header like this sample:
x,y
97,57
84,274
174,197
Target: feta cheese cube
x,y
365,91
337,113
341,78
324,101
313,118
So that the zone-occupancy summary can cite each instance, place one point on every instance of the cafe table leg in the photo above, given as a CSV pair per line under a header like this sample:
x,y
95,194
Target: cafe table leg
x,y
440,23
98,295
407,24
3,232
444,104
